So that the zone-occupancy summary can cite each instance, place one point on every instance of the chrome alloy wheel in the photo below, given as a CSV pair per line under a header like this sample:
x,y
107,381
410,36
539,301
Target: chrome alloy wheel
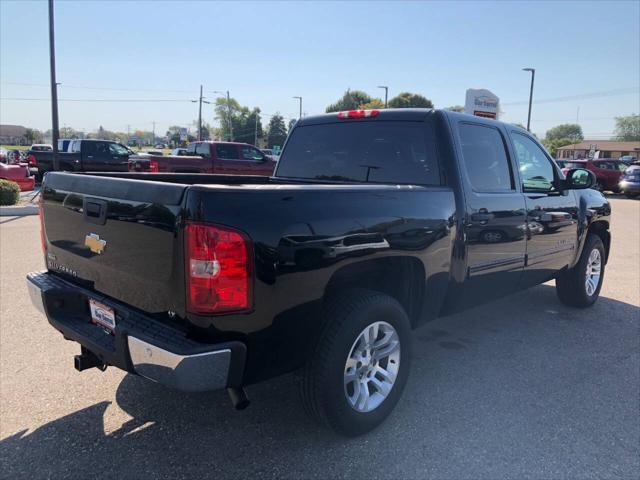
x,y
372,367
594,267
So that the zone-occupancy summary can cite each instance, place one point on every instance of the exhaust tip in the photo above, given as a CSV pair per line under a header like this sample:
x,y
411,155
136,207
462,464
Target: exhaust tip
x,y
238,397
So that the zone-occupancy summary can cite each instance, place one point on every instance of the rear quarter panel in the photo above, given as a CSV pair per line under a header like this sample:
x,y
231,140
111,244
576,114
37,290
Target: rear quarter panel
x,y
303,236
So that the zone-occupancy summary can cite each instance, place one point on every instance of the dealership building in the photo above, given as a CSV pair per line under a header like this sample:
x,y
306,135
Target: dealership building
x,y
606,149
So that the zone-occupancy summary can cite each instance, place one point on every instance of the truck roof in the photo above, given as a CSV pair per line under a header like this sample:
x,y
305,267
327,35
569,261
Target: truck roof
x,y
403,114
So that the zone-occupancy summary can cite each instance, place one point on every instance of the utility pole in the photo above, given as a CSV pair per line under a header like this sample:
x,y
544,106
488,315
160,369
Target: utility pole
x,y
54,89
386,94
300,114
200,102
153,139
128,130
200,116
230,120
255,138
533,76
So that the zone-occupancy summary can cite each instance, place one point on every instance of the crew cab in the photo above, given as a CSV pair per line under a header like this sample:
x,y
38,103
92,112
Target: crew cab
x,y
83,156
227,158
374,223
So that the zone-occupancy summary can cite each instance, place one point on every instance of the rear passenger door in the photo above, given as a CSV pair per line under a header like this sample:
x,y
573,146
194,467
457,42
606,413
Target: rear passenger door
x,y
203,150
227,159
96,156
495,216
551,213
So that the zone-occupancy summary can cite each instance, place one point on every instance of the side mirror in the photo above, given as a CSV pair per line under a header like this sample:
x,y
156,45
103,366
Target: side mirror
x,y
579,179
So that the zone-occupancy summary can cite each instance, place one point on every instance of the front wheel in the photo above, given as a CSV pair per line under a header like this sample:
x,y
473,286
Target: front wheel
x,y
580,286
357,373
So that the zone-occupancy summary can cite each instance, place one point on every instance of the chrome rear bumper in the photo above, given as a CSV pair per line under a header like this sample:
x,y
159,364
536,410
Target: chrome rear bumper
x,y
139,344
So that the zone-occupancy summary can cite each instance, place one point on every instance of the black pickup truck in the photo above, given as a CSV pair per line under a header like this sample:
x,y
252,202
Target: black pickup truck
x,y
85,155
374,223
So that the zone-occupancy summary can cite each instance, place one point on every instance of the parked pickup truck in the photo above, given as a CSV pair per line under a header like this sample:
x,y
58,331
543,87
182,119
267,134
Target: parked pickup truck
x,y
84,156
374,223
227,158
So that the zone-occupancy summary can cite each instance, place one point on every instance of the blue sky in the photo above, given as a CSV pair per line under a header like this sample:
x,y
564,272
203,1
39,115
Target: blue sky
x,y
267,52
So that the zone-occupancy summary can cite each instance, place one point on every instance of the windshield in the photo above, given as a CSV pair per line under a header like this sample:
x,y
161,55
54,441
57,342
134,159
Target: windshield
x,y
374,152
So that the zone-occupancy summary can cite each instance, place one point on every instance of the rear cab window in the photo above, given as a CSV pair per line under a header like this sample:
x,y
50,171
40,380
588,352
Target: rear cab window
x,y
202,149
396,152
485,159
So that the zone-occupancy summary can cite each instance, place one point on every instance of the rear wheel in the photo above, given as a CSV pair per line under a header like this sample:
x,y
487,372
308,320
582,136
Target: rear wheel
x,y
580,286
361,364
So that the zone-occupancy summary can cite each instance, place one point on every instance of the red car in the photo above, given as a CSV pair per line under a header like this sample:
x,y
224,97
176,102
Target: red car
x,y
608,171
226,158
18,173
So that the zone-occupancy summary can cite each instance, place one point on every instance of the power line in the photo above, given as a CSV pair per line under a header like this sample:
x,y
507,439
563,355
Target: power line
x,y
62,85
134,100
583,96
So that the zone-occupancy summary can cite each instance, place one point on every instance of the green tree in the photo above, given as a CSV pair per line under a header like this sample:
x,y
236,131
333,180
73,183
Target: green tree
x,y
31,135
374,104
292,123
351,100
410,100
226,112
553,145
456,108
277,132
572,131
628,128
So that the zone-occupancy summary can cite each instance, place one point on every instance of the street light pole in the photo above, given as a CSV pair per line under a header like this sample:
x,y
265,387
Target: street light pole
x,y
533,76
54,89
386,94
300,100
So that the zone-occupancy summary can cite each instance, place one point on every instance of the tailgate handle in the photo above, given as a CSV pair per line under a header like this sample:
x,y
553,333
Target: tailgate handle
x,y
95,211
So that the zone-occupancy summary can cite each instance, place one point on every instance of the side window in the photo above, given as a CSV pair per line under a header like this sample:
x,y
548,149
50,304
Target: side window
x,y
102,149
485,159
203,150
536,170
251,153
117,149
89,148
225,151
75,148
191,149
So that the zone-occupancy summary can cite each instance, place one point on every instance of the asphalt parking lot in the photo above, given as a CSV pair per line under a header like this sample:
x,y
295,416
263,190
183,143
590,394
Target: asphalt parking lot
x,y
520,388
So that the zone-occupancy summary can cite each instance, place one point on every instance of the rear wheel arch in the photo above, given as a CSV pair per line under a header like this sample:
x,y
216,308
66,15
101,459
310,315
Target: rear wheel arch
x,y
402,278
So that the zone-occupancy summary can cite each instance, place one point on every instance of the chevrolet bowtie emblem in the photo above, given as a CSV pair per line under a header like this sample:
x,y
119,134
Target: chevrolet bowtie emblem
x,y
94,243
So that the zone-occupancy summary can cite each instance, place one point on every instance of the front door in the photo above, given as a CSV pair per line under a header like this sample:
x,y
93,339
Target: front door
x,y
552,226
495,217
95,156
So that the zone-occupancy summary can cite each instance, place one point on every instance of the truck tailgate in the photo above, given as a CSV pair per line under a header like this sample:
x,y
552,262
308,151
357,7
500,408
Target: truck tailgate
x,y
118,237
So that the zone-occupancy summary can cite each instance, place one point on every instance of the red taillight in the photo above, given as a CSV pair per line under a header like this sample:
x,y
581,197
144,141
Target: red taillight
x,y
32,160
154,167
352,114
218,269
43,243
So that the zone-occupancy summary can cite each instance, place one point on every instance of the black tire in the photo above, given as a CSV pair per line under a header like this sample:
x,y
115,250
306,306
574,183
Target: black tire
x,y
599,186
571,284
493,236
323,388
